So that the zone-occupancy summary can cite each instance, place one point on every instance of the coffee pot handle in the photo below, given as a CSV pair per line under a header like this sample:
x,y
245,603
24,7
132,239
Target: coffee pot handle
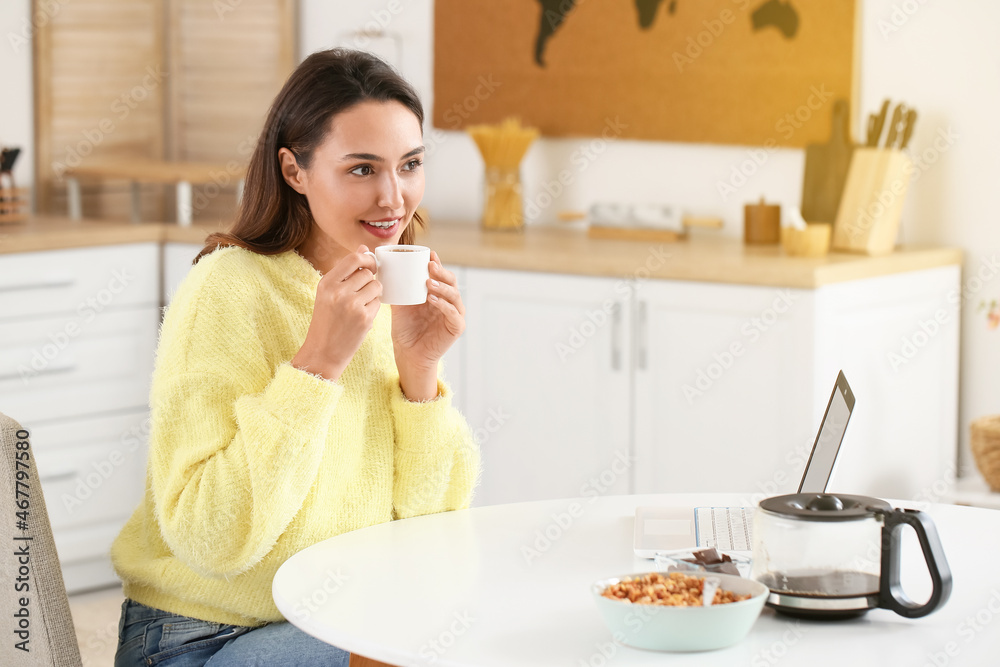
x,y
891,594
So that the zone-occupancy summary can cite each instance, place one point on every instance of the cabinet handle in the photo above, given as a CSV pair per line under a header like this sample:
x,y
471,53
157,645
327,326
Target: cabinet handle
x,y
41,284
57,477
616,337
52,370
642,335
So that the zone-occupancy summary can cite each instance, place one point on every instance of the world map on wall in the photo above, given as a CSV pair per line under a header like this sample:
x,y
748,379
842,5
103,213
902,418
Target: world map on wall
x,y
773,13
702,71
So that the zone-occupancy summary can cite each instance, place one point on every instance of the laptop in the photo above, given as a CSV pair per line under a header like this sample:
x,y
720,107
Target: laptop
x,y
665,529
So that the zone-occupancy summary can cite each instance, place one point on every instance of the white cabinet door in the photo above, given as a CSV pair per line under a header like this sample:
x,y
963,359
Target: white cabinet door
x,y
548,382
723,387
896,338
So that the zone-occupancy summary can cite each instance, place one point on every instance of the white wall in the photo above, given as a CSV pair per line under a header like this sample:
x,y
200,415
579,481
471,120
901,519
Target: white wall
x,y
940,57
944,59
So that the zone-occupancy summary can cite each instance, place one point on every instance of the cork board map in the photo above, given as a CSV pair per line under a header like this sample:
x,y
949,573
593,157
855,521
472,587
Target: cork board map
x,y
751,72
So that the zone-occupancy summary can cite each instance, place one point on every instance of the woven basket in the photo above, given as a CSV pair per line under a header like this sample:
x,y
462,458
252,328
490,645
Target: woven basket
x,y
986,448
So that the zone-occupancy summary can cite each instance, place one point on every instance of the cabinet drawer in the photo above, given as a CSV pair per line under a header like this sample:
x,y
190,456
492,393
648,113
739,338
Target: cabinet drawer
x,y
129,429
78,280
87,543
60,367
96,476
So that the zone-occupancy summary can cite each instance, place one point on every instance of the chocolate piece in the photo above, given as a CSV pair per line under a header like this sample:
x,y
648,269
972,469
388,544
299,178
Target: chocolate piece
x,y
712,561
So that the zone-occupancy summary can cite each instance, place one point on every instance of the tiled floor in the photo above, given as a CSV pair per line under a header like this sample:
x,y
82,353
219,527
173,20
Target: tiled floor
x,y
95,616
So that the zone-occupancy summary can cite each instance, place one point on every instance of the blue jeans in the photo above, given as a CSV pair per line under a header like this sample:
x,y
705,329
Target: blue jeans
x,y
148,636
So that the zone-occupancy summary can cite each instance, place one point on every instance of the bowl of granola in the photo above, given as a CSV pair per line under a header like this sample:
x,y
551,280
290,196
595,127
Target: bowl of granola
x,y
666,611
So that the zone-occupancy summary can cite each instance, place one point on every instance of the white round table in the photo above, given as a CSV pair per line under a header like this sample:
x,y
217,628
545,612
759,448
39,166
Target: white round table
x,y
510,585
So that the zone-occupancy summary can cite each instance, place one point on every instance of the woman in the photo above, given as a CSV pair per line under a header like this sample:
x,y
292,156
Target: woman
x,y
288,406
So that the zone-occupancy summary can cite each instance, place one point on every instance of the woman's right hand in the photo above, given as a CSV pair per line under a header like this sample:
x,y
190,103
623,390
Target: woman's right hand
x,y
347,300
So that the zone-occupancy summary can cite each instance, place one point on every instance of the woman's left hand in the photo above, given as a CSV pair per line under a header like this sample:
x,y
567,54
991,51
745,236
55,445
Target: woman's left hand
x,y
421,334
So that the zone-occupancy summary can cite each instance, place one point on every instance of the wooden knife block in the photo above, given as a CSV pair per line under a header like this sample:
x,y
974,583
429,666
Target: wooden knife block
x,y
872,204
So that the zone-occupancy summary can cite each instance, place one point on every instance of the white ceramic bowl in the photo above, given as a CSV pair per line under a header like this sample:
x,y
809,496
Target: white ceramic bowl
x,y
665,628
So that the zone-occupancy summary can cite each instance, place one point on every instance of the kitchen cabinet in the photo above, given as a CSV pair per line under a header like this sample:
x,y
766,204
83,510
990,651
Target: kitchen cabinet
x,y
721,385
77,336
700,371
707,386
548,384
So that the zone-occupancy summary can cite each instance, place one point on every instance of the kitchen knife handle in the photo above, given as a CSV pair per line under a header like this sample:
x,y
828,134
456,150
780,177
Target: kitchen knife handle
x,y
908,123
894,125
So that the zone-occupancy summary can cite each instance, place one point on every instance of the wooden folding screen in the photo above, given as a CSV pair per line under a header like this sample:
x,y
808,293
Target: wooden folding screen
x,y
167,79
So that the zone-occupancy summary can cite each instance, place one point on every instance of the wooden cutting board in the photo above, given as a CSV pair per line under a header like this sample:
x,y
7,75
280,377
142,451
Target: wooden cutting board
x,y
826,169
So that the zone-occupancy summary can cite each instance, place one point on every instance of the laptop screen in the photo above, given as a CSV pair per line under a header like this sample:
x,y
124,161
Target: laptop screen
x,y
831,434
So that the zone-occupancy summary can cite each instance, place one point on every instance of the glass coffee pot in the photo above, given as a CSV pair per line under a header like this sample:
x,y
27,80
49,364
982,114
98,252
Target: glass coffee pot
x,y
834,555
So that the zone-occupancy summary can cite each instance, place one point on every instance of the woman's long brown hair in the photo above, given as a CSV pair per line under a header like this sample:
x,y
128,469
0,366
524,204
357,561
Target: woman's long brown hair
x,y
272,217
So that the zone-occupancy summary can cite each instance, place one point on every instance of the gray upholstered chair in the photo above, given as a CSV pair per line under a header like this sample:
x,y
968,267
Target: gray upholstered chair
x,y
36,579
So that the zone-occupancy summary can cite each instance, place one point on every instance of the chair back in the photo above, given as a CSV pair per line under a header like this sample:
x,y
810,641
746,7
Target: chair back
x,y
37,628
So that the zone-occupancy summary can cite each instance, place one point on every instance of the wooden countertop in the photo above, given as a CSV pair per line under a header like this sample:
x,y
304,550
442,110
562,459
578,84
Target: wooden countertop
x,y
56,233
541,248
700,258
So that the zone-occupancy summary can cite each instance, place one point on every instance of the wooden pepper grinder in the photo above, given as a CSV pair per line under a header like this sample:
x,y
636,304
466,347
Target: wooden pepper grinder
x,y
761,223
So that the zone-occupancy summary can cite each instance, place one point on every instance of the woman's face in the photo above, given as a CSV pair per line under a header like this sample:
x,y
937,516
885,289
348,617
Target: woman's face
x,y
364,181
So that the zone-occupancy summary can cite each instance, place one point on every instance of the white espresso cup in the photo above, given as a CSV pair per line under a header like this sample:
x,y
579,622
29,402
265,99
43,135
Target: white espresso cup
x,y
402,270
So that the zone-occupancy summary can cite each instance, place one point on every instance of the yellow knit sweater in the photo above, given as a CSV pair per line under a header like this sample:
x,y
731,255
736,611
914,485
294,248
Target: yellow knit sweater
x,y
252,460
